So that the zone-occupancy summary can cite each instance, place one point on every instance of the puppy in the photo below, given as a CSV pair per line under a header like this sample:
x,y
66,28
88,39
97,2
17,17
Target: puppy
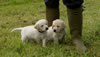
x,y
37,32
56,32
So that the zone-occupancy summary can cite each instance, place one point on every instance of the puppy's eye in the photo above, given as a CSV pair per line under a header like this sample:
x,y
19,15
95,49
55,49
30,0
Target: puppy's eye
x,y
58,26
41,25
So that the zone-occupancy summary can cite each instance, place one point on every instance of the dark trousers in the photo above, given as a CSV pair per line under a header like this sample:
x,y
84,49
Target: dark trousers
x,y
72,4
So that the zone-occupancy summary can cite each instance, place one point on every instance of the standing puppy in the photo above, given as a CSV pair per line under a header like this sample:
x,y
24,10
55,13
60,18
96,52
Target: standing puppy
x,y
57,31
37,32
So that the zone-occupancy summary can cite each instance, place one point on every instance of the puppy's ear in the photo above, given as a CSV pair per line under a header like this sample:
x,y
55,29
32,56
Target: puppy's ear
x,y
52,26
64,25
36,26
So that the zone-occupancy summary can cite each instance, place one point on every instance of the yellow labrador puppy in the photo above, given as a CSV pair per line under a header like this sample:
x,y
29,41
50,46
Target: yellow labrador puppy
x,y
56,32
37,32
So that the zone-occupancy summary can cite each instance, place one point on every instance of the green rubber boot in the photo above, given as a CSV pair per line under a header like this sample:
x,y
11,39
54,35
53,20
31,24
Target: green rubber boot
x,y
52,14
75,23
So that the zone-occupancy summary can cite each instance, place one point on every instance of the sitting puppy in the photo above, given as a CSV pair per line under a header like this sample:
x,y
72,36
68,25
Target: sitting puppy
x,y
36,32
56,32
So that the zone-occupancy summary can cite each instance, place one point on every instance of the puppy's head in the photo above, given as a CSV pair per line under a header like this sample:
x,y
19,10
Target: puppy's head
x,y
58,25
41,25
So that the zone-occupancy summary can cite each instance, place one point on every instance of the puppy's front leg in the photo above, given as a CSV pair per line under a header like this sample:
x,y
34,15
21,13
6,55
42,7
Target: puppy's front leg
x,y
44,42
56,41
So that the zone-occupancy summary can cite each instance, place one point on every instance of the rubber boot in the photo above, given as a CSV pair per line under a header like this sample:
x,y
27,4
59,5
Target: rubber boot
x,y
52,14
75,24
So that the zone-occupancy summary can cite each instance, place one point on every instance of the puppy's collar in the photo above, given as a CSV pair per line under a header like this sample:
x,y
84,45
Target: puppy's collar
x,y
41,31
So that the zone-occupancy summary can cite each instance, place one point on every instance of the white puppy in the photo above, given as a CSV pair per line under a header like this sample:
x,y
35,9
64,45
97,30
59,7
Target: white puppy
x,y
36,32
57,31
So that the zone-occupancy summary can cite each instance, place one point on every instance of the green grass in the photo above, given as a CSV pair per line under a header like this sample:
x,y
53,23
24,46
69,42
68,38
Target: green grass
x,y
18,13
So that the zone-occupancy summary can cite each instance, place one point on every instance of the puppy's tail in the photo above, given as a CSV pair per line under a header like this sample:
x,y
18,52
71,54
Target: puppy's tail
x,y
17,29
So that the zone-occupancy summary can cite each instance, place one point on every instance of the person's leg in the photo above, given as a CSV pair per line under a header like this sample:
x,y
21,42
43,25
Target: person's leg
x,y
52,10
74,11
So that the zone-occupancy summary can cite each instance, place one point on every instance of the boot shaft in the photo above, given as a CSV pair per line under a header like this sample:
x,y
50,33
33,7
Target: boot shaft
x,y
52,14
75,20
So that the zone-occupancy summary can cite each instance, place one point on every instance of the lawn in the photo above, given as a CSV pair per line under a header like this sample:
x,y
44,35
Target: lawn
x,y
20,13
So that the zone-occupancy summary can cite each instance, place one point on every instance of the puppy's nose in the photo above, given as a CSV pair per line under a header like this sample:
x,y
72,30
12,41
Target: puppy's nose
x,y
54,30
47,28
